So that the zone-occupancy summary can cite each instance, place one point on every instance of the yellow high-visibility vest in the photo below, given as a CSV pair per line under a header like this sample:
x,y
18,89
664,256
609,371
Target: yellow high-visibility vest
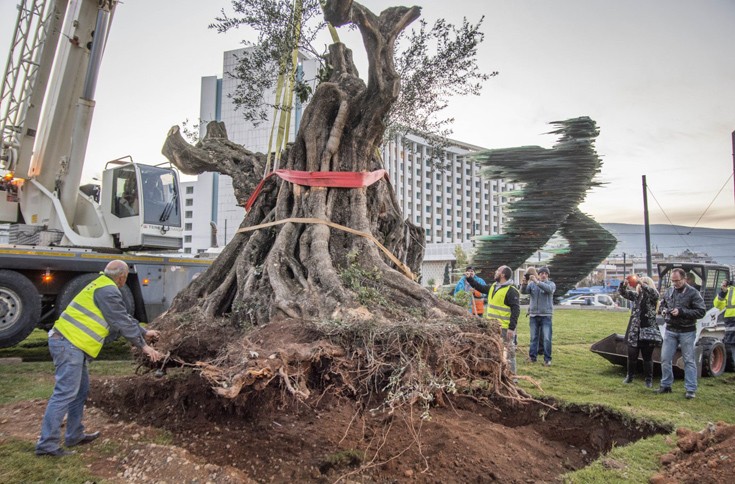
x,y
728,304
496,307
82,322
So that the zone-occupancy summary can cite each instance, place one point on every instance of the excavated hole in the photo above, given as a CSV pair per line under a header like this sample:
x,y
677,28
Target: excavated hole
x,y
329,436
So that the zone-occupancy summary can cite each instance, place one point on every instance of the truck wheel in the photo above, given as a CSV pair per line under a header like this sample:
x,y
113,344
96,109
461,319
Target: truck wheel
x,y
20,308
714,357
75,285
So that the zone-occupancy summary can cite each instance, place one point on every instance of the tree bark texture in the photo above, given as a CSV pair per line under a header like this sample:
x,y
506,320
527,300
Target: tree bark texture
x,y
295,270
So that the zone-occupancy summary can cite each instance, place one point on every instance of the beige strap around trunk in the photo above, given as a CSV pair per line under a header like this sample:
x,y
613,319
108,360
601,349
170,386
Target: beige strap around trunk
x,y
403,267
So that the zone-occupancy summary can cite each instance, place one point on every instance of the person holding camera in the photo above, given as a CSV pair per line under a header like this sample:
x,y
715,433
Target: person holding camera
x,y
642,334
681,307
726,300
541,309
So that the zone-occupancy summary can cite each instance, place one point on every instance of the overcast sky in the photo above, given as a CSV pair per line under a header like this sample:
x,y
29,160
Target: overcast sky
x,y
657,75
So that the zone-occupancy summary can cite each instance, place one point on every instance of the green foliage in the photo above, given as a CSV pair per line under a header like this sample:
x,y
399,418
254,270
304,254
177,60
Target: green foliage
x,y
434,63
430,77
460,257
363,281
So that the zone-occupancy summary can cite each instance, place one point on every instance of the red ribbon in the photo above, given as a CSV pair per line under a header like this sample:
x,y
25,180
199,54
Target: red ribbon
x,y
330,179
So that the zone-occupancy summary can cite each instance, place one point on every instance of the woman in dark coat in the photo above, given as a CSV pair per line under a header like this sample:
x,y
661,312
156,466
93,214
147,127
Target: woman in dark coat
x,y
642,334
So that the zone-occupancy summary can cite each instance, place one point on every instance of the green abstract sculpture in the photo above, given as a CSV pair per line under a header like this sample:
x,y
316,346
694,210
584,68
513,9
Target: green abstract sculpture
x,y
555,182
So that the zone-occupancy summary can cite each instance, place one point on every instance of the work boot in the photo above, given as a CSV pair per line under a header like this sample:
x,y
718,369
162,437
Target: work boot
x,y
55,453
649,383
690,395
662,390
86,438
628,379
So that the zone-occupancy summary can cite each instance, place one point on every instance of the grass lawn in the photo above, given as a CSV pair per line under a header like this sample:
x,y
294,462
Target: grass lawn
x,y
576,376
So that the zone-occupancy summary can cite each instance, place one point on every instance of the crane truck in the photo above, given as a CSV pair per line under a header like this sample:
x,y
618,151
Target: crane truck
x,y
61,234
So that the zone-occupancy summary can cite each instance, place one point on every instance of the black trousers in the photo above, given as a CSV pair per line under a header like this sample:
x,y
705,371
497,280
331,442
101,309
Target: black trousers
x,y
647,353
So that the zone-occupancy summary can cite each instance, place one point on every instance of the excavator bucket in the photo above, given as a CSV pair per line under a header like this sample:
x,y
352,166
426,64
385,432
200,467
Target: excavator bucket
x,y
615,350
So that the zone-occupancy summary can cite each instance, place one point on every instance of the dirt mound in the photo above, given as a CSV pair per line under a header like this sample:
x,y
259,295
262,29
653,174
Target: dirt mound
x,y
703,457
325,439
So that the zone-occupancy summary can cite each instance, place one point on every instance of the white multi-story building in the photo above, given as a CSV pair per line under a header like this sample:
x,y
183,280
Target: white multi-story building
x,y
452,204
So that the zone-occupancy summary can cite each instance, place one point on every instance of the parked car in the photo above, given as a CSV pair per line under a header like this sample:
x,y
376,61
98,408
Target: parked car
x,y
602,300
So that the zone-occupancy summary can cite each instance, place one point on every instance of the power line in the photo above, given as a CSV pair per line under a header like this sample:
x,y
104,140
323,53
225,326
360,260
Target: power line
x,y
648,187
710,204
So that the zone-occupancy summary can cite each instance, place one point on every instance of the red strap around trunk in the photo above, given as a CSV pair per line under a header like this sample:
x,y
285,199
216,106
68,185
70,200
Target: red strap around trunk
x,y
330,179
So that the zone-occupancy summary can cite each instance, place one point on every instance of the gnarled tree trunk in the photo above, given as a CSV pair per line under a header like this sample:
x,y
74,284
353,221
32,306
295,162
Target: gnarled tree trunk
x,y
297,270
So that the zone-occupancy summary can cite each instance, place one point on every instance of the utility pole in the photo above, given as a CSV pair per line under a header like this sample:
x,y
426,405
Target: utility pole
x,y
649,265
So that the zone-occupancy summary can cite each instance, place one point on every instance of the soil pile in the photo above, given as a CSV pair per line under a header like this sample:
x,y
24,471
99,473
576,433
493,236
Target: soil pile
x,y
703,457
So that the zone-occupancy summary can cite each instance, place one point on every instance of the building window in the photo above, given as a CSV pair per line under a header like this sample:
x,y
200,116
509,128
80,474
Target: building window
x,y
187,250
438,221
428,209
188,214
449,212
428,185
187,238
449,189
459,224
189,190
438,199
189,202
428,232
187,226
449,234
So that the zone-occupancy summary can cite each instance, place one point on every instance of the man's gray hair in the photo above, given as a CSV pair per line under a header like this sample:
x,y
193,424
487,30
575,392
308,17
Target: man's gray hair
x,y
115,269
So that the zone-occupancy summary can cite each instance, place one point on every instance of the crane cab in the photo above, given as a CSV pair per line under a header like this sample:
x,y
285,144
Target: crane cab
x,y
140,206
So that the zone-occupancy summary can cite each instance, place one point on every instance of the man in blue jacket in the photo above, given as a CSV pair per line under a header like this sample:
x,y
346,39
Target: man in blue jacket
x,y
541,309
476,306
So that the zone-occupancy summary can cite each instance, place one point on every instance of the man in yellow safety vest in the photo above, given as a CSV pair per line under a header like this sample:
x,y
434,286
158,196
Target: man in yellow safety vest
x,y
97,312
503,304
726,300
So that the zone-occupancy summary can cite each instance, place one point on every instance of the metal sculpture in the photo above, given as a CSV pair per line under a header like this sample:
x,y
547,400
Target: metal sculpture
x,y
555,182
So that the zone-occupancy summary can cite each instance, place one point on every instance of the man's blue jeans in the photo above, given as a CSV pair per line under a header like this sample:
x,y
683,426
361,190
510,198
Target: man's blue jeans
x,y
544,324
686,342
70,393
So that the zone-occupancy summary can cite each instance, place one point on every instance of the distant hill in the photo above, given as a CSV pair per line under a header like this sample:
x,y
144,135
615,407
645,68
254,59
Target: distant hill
x,y
675,239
